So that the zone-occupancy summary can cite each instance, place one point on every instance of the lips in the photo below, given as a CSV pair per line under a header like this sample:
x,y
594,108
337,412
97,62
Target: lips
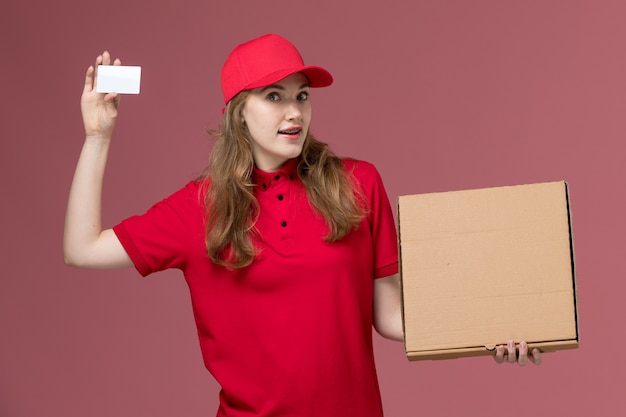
x,y
291,131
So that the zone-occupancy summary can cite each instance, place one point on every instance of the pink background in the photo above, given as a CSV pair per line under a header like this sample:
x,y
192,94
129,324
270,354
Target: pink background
x,y
440,95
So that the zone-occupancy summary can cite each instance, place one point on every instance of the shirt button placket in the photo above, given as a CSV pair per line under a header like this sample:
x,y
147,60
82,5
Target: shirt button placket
x,y
283,209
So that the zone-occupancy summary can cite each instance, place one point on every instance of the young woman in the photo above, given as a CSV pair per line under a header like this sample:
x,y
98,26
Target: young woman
x,y
289,252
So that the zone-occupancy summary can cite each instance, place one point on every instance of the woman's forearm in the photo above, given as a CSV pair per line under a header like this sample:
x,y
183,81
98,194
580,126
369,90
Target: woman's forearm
x,y
83,220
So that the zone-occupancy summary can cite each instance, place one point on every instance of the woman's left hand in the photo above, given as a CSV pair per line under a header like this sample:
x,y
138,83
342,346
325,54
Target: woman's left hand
x,y
511,354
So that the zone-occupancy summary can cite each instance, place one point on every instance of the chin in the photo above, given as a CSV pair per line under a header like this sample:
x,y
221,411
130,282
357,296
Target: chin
x,y
294,152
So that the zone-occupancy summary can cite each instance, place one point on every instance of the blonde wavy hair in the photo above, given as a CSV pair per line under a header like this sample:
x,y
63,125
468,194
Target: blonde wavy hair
x,y
231,208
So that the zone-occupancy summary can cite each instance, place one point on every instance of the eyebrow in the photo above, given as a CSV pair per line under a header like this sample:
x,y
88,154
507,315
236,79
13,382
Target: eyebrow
x,y
280,87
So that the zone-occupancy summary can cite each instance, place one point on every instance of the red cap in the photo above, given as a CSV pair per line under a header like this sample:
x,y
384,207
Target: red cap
x,y
264,61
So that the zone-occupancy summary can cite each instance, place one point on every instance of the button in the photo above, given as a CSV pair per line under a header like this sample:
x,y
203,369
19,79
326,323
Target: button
x,y
277,177
290,176
280,197
284,224
264,186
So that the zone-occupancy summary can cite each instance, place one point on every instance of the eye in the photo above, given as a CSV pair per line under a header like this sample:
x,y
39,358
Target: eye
x,y
273,97
303,96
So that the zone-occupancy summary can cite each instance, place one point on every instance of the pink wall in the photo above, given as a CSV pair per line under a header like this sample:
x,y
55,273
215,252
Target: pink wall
x,y
440,95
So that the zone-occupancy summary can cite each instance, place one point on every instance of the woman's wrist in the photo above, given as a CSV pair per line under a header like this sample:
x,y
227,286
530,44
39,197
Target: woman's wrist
x,y
98,137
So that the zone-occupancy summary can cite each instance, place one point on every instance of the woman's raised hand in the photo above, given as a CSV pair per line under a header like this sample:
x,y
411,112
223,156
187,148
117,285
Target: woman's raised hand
x,y
99,110
85,243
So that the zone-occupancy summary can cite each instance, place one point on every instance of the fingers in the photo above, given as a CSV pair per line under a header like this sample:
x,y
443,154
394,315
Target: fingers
x,y
112,98
499,358
512,354
522,359
536,356
106,59
89,78
101,59
92,74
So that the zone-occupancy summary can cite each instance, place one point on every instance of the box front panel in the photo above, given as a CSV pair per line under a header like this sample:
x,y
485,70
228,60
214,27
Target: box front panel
x,y
480,267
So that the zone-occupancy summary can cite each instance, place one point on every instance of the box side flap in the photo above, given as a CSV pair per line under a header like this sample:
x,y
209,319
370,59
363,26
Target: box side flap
x,y
573,257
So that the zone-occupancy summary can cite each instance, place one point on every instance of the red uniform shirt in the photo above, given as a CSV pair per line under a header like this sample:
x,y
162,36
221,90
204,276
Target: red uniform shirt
x,y
291,334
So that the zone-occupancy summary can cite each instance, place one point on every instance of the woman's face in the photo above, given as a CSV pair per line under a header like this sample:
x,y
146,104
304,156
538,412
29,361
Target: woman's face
x,y
278,118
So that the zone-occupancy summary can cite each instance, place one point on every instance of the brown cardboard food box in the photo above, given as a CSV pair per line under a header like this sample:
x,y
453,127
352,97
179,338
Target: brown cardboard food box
x,y
482,267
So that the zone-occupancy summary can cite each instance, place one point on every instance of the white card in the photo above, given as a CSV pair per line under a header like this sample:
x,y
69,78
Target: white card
x,y
118,79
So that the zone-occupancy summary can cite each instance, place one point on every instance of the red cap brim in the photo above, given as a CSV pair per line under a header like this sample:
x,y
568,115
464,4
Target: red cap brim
x,y
317,76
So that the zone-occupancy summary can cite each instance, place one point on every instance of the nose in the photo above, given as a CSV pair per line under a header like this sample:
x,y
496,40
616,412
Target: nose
x,y
293,111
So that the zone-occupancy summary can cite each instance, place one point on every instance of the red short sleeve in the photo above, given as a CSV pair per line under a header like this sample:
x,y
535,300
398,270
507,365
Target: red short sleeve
x,y
380,217
166,235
